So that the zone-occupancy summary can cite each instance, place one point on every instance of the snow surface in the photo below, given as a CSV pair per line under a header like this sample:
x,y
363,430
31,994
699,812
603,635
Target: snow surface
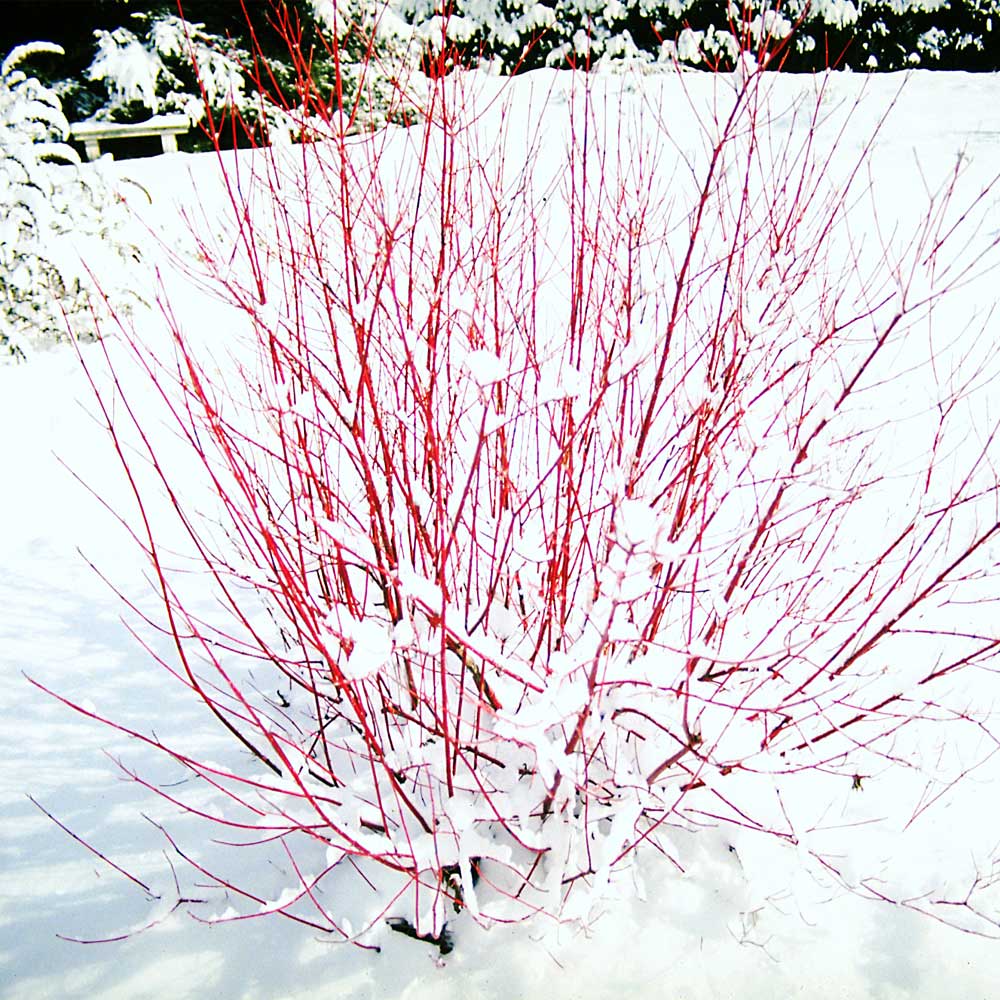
x,y
720,930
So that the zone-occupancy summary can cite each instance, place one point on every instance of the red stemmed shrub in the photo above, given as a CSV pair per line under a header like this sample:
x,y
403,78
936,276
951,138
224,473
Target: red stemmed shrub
x,y
592,466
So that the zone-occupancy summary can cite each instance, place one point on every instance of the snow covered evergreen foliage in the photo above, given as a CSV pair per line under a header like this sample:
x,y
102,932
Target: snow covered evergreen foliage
x,y
48,202
175,65
354,52
882,34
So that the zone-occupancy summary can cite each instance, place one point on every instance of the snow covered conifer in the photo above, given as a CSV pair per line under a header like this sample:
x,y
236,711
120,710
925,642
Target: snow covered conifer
x,y
47,203
349,50
879,35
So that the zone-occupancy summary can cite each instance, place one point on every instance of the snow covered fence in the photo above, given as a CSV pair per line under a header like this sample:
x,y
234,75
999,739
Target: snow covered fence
x,y
165,127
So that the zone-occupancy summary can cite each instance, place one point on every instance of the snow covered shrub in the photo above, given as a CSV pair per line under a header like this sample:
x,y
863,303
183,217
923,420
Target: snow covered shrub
x,y
49,205
882,34
902,34
550,508
173,65
582,34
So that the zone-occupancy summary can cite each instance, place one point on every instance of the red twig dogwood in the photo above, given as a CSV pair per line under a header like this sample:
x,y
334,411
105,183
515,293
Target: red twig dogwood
x,y
560,487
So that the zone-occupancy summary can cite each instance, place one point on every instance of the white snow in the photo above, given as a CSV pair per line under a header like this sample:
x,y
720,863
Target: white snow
x,y
727,913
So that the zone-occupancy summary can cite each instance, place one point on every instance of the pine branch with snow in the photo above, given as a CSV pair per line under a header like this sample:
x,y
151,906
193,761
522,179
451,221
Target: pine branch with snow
x,y
354,54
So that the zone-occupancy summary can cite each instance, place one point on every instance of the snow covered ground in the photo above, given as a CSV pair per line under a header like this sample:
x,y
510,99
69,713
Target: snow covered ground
x,y
705,934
